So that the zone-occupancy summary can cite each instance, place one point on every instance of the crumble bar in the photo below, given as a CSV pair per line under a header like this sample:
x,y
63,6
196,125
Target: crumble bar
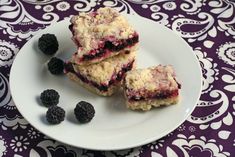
x,y
100,35
105,77
154,86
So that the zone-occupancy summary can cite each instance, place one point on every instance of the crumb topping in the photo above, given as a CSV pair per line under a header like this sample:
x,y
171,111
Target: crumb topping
x,y
102,72
142,82
92,29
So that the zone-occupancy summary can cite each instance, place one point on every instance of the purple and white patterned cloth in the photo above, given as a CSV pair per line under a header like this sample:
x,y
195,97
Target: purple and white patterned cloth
x,y
208,27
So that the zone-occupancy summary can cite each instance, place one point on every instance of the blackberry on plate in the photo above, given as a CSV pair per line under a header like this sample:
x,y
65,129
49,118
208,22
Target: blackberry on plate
x,y
48,44
55,114
49,97
55,66
84,112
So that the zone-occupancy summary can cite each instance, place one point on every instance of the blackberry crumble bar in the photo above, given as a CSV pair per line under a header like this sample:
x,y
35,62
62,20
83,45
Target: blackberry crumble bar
x,y
100,35
154,86
105,77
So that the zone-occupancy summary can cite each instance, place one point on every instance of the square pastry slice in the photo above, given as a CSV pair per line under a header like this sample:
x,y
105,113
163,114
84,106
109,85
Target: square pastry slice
x,y
105,77
100,35
154,86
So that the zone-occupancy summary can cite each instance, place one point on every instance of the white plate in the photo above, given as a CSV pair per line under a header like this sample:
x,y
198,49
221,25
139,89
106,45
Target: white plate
x,y
113,127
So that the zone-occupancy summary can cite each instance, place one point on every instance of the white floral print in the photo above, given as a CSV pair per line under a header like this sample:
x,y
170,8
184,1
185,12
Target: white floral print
x,y
169,6
48,8
63,6
19,143
33,134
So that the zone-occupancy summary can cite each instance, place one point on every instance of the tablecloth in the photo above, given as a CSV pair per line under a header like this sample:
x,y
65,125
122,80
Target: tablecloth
x,y
207,26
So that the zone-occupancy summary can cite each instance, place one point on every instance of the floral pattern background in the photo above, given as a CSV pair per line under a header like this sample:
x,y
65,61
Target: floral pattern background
x,y
208,27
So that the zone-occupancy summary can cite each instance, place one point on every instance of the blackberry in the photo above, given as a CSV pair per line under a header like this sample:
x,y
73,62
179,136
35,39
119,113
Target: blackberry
x,y
84,112
49,97
55,114
48,44
55,66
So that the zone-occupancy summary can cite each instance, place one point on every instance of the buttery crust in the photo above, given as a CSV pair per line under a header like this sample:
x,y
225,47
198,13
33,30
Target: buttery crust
x,y
111,90
146,105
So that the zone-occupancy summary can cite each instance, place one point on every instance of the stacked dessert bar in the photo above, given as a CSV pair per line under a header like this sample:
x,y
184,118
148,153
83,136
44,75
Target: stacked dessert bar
x,y
106,50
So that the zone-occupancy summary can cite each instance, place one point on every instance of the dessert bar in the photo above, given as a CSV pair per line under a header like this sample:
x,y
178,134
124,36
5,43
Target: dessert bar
x,y
104,77
154,86
100,35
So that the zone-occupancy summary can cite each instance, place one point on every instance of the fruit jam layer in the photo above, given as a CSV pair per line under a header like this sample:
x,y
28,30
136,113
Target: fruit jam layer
x,y
116,77
159,95
107,47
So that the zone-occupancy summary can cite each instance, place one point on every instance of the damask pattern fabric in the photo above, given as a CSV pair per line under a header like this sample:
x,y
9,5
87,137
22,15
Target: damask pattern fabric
x,y
208,27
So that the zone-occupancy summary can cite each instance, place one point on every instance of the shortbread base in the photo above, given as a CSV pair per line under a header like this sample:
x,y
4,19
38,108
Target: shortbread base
x,y
146,105
111,90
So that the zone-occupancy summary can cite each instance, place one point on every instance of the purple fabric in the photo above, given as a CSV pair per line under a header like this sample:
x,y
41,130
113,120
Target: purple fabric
x,y
208,27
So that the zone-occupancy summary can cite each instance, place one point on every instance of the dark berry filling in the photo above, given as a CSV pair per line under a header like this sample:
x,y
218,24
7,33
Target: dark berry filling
x,y
99,53
161,95
106,47
109,46
102,87
68,67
